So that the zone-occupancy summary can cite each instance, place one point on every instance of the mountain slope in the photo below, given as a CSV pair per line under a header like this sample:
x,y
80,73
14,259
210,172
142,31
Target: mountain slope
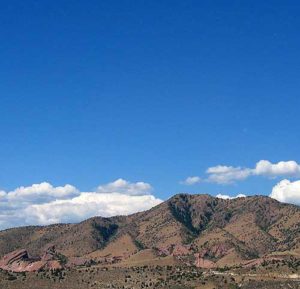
x,y
214,230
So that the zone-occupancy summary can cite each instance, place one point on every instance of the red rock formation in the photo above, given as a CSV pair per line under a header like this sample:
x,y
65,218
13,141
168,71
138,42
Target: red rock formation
x,y
49,253
14,256
181,250
53,265
219,250
19,261
203,263
174,250
216,251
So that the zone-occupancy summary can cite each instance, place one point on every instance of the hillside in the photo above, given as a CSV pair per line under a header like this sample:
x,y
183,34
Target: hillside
x,y
186,229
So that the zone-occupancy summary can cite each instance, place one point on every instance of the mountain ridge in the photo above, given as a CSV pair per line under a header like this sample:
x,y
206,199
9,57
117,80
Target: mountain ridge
x,y
186,228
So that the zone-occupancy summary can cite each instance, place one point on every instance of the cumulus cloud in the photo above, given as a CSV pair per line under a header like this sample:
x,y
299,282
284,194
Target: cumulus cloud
x,y
222,174
266,168
287,192
124,187
227,174
227,197
191,181
87,205
41,192
42,204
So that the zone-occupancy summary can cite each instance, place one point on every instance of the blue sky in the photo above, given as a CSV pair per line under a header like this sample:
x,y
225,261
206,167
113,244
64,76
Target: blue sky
x,y
149,91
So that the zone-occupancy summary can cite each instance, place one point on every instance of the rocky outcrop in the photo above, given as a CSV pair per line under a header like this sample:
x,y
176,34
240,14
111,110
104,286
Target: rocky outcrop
x,y
49,253
20,261
174,250
15,256
215,251
181,250
200,262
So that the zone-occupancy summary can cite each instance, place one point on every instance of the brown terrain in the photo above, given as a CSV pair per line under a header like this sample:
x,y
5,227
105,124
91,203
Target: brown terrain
x,y
189,241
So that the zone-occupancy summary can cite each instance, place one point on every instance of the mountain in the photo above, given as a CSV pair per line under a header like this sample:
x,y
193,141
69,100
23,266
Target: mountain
x,y
186,229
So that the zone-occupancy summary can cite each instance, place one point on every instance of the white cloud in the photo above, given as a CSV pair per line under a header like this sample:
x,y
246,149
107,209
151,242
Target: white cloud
x,y
287,192
227,197
222,174
45,204
41,192
88,205
191,181
2,194
227,174
124,187
288,168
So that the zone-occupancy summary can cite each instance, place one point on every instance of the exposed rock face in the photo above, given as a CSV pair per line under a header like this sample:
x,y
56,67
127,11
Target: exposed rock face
x,y
181,250
49,253
15,256
54,264
19,261
203,263
216,251
174,250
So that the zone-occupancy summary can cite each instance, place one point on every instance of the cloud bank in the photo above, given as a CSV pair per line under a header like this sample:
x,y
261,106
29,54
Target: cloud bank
x,y
222,174
43,204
